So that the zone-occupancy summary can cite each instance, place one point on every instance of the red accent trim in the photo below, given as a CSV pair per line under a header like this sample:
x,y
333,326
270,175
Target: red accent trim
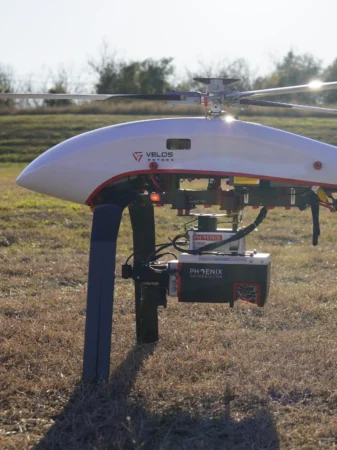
x,y
327,205
203,172
258,286
155,183
179,281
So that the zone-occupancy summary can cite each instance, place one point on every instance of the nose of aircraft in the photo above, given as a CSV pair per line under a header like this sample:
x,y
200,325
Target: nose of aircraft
x,y
26,179
56,179
52,174
38,177
71,170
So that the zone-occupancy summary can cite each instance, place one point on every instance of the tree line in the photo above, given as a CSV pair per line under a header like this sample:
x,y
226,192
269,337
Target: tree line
x,y
157,76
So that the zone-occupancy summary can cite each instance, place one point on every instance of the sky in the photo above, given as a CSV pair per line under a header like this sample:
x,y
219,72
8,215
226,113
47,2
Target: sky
x,y
41,35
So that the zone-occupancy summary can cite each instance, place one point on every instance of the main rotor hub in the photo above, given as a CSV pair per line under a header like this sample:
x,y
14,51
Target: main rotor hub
x,y
216,89
216,84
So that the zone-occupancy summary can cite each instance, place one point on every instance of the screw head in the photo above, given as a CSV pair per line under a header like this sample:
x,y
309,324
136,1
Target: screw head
x,y
317,165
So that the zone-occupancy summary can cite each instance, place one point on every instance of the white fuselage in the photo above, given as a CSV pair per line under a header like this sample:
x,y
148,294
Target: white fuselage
x,y
79,167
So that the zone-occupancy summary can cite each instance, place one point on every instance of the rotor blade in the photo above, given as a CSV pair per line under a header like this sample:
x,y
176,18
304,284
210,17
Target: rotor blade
x,y
55,96
172,97
311,87
248,101
167,97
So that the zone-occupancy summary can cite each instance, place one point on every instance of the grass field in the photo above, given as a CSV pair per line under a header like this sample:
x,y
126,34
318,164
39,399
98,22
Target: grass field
x,y
219,378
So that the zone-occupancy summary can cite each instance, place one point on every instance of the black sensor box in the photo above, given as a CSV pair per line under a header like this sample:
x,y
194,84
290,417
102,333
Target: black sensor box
x,y
220,279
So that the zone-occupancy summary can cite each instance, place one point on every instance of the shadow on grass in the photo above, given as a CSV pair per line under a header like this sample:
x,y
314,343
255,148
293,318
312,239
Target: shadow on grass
x,y
103,417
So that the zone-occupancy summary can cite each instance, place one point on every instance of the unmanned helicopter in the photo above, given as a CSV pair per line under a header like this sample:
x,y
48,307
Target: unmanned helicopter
x,y
143,164
84,167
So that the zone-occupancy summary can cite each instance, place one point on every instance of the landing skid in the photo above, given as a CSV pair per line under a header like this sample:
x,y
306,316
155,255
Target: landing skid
x,y
100,298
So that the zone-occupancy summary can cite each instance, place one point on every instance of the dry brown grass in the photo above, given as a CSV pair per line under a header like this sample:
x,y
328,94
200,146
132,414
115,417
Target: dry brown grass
x,y
217,379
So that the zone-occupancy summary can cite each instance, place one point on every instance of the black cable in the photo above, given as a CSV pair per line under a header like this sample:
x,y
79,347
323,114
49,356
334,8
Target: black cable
x,y
239,235
163,254
153,254
142,250
181,250
169,244
187,223
164,265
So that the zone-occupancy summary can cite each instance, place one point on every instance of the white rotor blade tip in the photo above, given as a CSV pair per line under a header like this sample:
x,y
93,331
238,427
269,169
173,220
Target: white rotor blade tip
x,y
315,84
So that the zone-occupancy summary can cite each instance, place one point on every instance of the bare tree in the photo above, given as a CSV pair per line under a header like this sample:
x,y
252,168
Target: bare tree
x,y
7,82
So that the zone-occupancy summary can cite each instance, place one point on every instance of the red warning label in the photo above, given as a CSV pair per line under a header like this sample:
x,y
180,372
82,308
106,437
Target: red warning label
x,y
207,237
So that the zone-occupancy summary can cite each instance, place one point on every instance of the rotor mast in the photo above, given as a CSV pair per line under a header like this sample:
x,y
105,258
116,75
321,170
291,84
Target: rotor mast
x,y
215,93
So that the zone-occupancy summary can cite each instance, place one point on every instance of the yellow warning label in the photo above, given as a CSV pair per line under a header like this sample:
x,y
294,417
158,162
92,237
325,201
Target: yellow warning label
x,y
321,195
246,180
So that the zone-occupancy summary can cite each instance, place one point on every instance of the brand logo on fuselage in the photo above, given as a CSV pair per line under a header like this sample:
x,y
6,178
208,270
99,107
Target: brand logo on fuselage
x,y
160,156
154,156
138,156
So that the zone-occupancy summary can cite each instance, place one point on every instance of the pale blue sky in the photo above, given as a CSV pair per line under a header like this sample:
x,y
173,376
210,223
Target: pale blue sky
x,y
36,34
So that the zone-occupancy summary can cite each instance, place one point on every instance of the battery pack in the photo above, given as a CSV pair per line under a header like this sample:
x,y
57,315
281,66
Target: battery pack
x,y
220,279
